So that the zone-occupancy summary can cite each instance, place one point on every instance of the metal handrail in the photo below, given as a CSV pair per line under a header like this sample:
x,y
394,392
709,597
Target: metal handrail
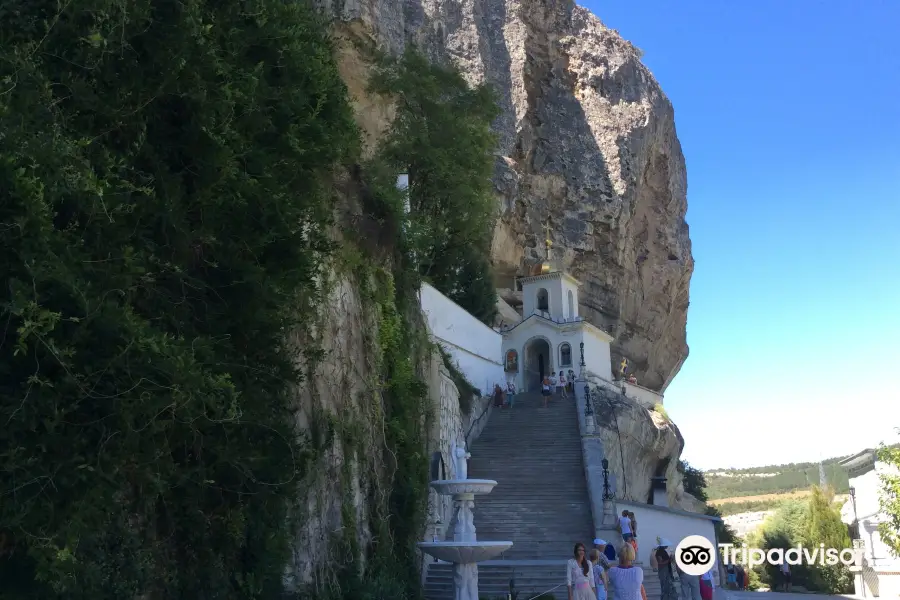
x,y
547,591
488,407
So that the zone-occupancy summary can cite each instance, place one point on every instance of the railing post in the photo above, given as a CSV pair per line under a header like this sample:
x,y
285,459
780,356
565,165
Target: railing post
x,y
581,374
588,411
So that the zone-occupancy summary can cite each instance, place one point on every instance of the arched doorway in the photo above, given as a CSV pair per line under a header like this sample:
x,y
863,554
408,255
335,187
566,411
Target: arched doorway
x,y
538,362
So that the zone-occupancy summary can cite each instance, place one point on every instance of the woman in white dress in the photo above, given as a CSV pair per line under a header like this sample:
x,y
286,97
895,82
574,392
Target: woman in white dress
x,y
626,580
580,576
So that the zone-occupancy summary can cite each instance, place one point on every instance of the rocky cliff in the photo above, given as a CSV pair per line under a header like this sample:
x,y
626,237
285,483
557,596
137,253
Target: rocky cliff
x,y
640,444
587,137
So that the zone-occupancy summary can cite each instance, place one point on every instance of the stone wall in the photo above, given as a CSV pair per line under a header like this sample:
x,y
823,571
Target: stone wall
x,y
338,391
339,394
450,427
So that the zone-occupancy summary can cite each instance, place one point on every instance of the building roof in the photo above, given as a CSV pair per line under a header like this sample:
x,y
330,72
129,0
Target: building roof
x,y
860,463
549,277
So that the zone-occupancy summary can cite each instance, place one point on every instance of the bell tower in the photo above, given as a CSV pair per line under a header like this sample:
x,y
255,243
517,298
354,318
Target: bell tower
x,y
549,291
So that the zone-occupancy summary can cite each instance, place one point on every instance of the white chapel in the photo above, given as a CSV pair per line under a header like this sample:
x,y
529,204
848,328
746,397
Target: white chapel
x,y
550,335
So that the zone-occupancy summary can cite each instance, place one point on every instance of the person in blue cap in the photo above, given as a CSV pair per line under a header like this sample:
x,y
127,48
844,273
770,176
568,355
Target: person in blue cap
x,y
607,550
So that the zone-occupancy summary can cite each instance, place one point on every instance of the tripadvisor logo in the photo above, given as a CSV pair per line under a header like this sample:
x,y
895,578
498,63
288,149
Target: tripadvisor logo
x,y
792,556
696,555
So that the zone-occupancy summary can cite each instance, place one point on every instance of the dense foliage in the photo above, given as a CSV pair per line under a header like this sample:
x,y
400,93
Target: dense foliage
x,y
890,497
163,175
442,138
464,387
734,508
810,522
774,479
693,480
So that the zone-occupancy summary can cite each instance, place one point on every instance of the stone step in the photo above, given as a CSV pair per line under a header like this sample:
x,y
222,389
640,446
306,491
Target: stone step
x,y
530,579
540,503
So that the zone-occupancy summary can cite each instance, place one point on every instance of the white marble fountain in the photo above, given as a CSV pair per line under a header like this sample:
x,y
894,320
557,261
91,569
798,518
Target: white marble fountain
x,y
465,551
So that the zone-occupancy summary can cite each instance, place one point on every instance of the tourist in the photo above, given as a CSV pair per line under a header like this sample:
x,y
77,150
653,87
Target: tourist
x,y
610,553
546,389
741,575
731,577
571,381
661,561
561,385
498,395
690,585
632,379
625,528
707,584
579,576
510,393
626,580
601,583
634,532
553,383
785,575
603,548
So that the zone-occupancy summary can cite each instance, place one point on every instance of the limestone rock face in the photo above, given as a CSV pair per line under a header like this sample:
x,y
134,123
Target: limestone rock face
x,y
586,136
641,443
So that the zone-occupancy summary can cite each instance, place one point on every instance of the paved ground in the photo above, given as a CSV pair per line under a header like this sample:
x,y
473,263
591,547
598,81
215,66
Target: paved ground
x,y
730,595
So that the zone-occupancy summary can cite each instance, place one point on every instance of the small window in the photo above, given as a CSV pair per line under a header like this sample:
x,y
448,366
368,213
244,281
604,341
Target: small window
x,y
543,301
565,355
571,305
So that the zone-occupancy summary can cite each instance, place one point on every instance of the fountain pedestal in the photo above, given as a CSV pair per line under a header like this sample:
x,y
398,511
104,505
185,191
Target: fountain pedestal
x,y
465,551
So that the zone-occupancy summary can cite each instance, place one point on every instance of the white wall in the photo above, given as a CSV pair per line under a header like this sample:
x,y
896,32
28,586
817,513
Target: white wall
x,y
596,352
669,523
476,348
868,488
647,398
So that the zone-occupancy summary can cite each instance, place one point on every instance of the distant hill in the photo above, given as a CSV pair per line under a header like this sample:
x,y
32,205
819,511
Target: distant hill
x,y
774,479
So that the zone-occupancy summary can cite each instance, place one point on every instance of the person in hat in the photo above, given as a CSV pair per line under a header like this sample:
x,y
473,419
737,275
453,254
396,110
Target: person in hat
x,y
661,560
601,583
603,548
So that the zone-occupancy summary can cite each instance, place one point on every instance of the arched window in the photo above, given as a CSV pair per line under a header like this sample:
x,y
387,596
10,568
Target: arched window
x,y
565,355
571,305
543,301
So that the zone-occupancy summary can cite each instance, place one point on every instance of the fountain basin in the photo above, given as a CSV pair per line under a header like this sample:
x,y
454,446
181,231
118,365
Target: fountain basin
x,y
464,552
451,487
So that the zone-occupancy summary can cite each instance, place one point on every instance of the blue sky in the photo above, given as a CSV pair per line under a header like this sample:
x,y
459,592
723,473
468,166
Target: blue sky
x,y
789,118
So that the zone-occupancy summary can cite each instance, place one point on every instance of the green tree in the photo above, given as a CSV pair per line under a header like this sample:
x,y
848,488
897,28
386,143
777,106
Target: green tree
x,y
824,526
693,480
783,529
165,183
442,138
890,497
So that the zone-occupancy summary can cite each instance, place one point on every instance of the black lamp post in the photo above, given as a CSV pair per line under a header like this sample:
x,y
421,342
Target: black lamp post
x,y
607,495
581,374
588,410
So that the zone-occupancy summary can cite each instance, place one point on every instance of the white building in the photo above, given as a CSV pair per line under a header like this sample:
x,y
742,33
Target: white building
x,y
549,337
474,346
880,574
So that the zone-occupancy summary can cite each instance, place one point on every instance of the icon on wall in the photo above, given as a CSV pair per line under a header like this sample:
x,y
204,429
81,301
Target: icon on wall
x,y
512,361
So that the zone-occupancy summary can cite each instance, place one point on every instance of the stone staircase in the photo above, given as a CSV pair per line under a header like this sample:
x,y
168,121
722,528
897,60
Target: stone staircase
x,y
541,500
540,503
